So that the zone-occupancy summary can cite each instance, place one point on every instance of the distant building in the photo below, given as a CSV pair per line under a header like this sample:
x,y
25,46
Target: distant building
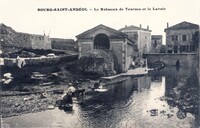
x,y
10,38
182,38
64,44
39,41
114,42
141,37
156,43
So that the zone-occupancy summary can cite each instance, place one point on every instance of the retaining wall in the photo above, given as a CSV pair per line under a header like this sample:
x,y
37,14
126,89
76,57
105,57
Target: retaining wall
x,y
186,59
11,62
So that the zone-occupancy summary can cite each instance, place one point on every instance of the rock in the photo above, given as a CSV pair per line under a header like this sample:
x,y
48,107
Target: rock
x,y
43,95
7,81
27,98
50,107
181,114
70,84
58,91
8,75
54,74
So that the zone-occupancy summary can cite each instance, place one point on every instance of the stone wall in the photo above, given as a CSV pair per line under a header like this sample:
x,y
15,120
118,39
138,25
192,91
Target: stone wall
x,y
37,61
186,59
64,44
84,47
40,41
116,47
10,38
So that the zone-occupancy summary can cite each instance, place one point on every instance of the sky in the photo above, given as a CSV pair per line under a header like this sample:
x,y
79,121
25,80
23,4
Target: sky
x,y
23,15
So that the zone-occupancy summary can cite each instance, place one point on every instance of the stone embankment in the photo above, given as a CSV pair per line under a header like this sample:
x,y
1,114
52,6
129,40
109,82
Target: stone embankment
x,y
43,60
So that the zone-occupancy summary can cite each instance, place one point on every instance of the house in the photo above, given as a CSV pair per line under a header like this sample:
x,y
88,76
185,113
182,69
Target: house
x,y
182,37
156,43
113,42
141,37
39,41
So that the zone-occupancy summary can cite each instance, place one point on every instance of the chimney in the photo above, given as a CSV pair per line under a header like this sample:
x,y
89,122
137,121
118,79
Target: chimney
x,y
167,25
147,27
140,26
125,26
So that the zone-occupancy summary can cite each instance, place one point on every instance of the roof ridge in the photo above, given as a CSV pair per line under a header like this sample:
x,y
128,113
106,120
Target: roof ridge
x,y
100,26
129,27
188,25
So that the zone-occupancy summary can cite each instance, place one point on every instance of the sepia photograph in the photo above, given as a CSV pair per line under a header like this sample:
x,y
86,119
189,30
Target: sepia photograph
x,y
99,64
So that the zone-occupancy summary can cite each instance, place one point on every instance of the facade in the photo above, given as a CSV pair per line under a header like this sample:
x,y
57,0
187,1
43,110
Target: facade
x,y
141,37
114,42
40,41
156,43
182,38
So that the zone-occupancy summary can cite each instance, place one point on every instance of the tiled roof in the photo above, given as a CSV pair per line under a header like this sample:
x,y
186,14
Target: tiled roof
x,y
132,27
119,33
183,25
102,26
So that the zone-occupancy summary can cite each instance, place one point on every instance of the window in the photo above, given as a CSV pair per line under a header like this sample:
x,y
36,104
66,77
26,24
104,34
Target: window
x,y
192,48
174,37
183,48
187,48
169,51
175,49
184,37
155,43
101,41
135,36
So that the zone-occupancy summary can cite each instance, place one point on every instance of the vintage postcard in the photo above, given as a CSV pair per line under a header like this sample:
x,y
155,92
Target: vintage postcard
x,y
99,64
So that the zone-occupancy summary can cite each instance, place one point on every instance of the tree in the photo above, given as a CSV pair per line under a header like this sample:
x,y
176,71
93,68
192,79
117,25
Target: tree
x,y
195,39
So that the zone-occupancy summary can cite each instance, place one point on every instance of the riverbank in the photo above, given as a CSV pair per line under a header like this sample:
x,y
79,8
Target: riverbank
x,y
15,105
24,95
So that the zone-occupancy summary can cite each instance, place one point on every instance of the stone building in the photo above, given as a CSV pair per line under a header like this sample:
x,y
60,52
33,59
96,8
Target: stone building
x,y
182,37
40,41
113,42
141,37
11,38
156,43
63,44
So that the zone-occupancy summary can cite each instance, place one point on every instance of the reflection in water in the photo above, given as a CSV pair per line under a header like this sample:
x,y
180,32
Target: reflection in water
x,y
182,92
166,98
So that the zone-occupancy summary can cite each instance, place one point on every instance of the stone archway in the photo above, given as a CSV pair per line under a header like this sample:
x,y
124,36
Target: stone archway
x,y
101,41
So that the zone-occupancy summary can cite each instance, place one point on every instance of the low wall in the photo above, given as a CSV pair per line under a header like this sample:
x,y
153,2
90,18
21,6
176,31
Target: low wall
x,y
186,59
10,62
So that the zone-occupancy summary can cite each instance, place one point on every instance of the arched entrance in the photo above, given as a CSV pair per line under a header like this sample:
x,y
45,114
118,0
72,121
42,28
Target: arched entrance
x,y
101,41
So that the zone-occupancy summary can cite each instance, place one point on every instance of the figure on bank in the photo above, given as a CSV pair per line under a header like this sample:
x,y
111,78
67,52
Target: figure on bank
x,y
178,63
